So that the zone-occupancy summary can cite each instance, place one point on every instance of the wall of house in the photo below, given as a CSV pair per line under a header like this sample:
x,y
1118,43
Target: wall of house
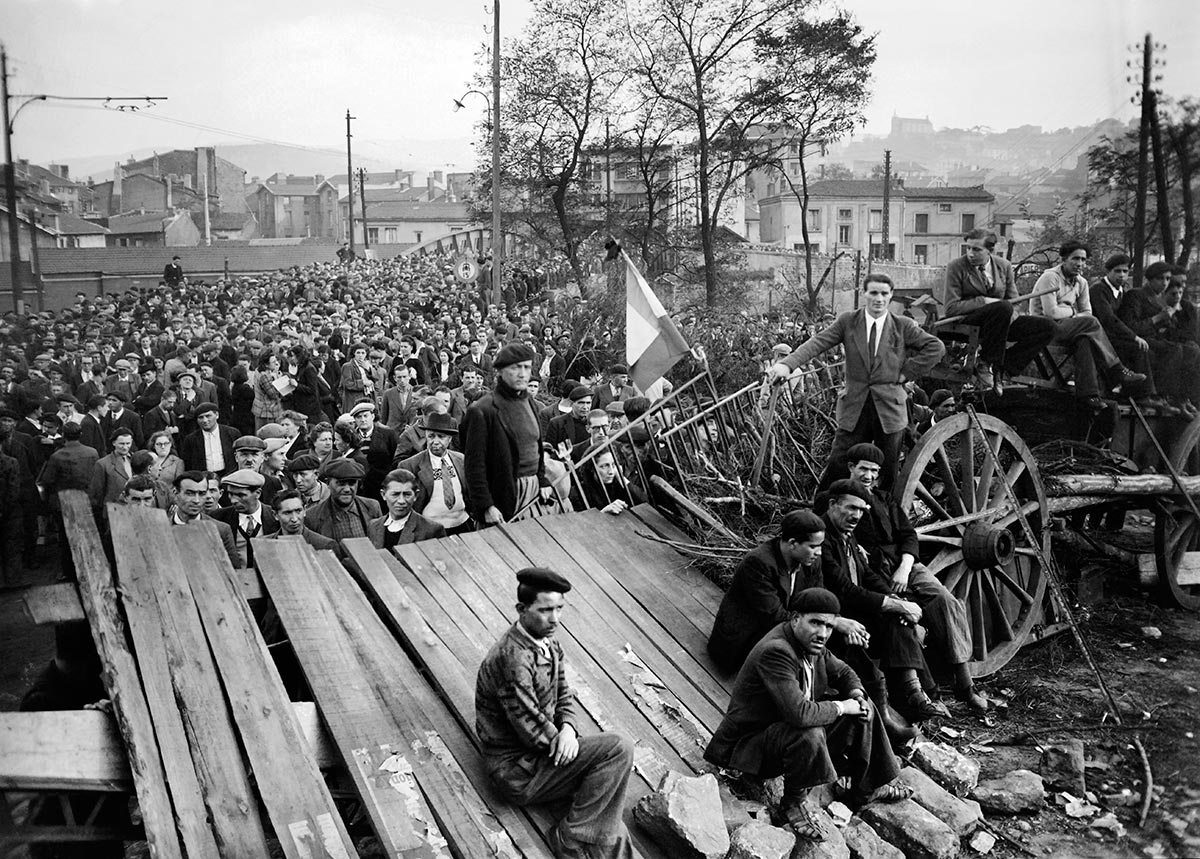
x,y
230,185
944,223
182,232
142,192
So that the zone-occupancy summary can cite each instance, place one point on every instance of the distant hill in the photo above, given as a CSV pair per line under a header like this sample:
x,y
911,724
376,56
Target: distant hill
x,y
263,159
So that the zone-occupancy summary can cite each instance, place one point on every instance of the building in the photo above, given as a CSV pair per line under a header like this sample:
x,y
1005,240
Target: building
x,y
227,226
925,225
53,182
410,222
153,229
911,125
143,192
295,207
200,170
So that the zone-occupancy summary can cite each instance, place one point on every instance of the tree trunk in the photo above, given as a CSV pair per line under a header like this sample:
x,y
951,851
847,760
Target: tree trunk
x,y
1117,484
1160,186
570,245
808,281
1180,141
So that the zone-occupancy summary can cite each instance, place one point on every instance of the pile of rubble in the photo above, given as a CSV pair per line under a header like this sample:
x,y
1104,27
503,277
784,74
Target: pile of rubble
x,y
700,818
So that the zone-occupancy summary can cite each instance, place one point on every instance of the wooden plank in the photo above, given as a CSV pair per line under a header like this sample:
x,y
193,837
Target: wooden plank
x,y
147,748
167,633
1187,573
59,603
302,812
660,524
83,749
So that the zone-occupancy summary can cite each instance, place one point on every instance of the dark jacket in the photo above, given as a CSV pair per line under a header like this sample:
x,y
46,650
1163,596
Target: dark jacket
x,y
317,541
1105,308
491,458
421,466
416,529
771,688
380,452
966,287
566,428
191,449
69,467
231,517
859,600
320,517
886,534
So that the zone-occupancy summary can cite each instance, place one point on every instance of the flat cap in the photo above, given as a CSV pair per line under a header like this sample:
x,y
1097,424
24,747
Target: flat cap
x,y
343,469
618,370
195,376
205,408
580,392
616,407
817,601
249,442
304,462
122,364
244,477
512,353
542,580
270,430
273,444
362,406
117,395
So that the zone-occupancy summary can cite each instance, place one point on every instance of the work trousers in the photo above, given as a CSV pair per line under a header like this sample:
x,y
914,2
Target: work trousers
x,y
1028,335
1175,369
807,757
1086,339
942,613
867,429
594,782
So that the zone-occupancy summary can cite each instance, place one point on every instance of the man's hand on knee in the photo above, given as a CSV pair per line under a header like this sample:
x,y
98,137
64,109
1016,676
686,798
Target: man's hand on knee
x,y
564,748
854,631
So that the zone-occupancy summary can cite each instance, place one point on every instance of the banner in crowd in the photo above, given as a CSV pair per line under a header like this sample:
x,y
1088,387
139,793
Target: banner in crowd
x,y
653,345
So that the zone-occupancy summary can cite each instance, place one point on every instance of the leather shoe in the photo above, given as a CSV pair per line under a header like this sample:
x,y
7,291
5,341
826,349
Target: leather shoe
x,y
1095,402
898,729
975,700
987,381
921,707
1122,375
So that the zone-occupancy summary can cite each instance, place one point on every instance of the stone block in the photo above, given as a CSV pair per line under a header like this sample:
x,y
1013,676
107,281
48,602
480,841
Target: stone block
x,y
947,766
833,847
758,840
915,831
864,842
1062,767
961,815
983,841
684,815
1019,791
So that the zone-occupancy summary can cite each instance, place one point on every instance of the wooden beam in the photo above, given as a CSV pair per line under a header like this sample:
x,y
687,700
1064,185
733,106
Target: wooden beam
x,y
1119,484
120,674
1187,573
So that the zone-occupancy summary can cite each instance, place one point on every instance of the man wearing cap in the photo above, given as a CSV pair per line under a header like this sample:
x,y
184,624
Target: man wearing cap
x,y
345,513
401,524
187,401
110,472
440,476
289,511
118,416
191,492
123,380
526,719
572,427
502,445
150,392
892,548
247,516
303,470
91,427
162,417
210,447
249,452
616,389
375,440
798,711
68,409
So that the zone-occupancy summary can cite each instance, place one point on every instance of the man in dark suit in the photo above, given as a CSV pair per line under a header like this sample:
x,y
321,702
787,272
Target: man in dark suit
x,y
571,428
162,418
289,511
210,447
379,444
763,587
91,429
173,273
150,394
981,288
617,388
798,711
69,467
1145,313
475,359
882,351
246,516
1106,295
440,476
401,524
118,416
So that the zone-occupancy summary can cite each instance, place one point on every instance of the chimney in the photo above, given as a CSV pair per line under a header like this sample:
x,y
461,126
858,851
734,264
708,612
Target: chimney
x,y
318,179
398,177
430,187
437,175
61,171
168,184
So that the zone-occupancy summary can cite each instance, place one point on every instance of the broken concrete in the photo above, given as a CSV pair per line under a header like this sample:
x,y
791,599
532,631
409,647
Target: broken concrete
x,y
983,842
738,812
685,816
833,847
865,843
1062,767
947,766
1018,792
908,826
961,815
758,840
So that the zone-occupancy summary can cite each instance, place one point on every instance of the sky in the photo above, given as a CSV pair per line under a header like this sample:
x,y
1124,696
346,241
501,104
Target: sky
x,y
287,70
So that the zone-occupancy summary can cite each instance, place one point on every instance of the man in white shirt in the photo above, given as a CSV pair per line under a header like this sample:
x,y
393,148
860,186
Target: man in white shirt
x,y
440,494
210,447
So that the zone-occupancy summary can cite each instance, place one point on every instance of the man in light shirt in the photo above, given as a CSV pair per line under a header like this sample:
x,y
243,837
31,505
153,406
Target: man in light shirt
x,y
210,447
440,493
401,524
246,516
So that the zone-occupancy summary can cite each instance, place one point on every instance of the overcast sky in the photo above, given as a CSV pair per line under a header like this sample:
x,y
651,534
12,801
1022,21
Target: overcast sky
x,y
287,70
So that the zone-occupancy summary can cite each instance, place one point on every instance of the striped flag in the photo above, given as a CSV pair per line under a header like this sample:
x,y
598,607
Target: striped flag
x,y
653,345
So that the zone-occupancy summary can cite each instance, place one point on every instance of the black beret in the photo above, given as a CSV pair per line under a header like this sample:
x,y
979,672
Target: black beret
x,y
848,486
939,396
343,469
205,408
864,451
542,580
513,353
304,462
579,392
816,601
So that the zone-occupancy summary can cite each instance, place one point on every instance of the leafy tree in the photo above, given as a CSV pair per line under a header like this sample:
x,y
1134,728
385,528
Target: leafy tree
x,y
836,171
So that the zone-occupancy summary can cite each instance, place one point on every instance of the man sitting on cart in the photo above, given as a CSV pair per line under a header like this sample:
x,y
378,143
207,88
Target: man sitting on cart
x,y
1150,316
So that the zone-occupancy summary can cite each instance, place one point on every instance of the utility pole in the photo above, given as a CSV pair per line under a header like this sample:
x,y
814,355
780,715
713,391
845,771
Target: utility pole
x,y
207,222
349,185
362,200
10,194
1162,203
607,176
497,228
887,203
1143,170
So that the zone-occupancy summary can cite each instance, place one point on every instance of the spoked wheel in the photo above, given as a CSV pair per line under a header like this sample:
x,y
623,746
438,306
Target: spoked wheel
x,y
971,535
1177,532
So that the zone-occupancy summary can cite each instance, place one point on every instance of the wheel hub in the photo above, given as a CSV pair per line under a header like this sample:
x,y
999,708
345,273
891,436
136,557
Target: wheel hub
x,y
984,545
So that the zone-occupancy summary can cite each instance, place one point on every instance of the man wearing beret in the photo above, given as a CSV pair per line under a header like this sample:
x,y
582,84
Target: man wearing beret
x,y
246,516
798,711
572,427
617,389
892,548
123,380
344,513
303,470
210,447
526,718
502,445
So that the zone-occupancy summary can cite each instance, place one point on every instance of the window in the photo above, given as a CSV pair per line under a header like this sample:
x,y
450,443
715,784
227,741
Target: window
x,y
389,235
373,235
814,219
968,222
920,254
921,224
812,248
845,214
891,251
1004,229
944,207
875,220
844,234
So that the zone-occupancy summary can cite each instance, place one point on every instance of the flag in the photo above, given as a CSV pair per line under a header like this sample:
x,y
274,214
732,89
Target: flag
x,y
653,345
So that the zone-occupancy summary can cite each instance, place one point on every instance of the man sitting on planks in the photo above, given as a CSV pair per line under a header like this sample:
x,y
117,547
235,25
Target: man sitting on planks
x,y
798,711
525,716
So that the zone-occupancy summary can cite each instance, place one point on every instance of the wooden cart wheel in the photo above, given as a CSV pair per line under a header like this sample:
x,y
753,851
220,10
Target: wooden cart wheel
x,y
971,536
1177,533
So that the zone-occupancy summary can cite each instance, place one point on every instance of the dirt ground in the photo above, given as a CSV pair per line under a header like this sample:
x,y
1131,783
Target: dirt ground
x,y
1051,696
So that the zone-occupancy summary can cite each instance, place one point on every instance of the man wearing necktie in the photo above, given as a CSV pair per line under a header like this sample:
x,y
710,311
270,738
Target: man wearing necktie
x,y
246,515
378,441
981,288
440,483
